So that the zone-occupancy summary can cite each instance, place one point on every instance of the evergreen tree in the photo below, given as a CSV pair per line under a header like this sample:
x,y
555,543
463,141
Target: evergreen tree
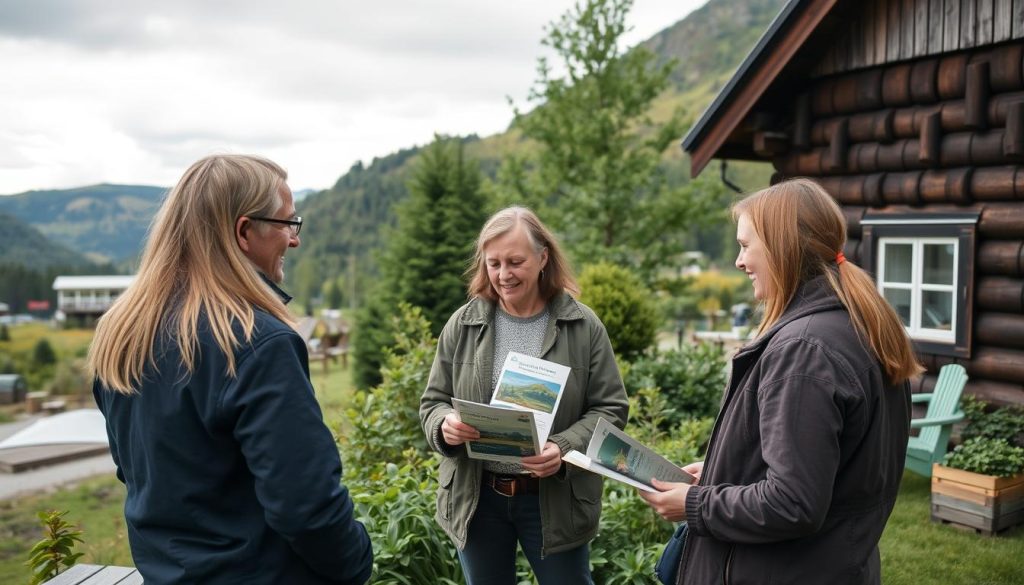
x,y
597,177
43,354
427,252
334,296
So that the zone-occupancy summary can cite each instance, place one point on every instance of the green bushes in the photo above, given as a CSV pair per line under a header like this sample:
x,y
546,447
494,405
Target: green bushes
x,y
987,456
691,378
993,440
624,305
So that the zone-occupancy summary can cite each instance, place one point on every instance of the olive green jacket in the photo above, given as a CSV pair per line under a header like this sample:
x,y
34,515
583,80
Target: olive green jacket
x,y
570,500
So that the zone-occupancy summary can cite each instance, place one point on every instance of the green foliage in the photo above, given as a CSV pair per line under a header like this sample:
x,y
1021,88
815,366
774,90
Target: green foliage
x,y
334,295
598,178
5,335
437,226
426,254
994,423
691,379
371,335
70,377
398,511
385,420
54,552
624,305
43,354
993,439
385,447
987,456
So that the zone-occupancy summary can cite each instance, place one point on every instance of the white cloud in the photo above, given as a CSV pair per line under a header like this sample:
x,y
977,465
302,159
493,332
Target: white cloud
x,y
134,91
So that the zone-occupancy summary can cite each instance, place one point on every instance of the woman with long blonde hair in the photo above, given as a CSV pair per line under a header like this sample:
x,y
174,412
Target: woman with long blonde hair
x,y
807,455
205,389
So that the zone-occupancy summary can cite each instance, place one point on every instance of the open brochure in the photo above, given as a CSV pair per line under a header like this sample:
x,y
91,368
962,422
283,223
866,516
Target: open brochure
x,y
506,434
612,453
524,404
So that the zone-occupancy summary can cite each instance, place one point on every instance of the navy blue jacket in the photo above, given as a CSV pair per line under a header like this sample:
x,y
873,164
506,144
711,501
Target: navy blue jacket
x,y
234,479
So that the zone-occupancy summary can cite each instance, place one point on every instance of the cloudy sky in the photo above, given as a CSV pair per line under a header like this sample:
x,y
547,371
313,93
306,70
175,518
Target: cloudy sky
x,y
132,91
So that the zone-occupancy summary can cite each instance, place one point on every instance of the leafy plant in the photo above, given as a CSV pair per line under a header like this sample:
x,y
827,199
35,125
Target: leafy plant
x,y
43,354
624,305
987,456
54,552
999,423
691,379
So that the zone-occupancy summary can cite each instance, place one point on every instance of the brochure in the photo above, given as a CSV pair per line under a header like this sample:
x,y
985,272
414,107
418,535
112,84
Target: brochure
x,y
612,453
506,434
533,384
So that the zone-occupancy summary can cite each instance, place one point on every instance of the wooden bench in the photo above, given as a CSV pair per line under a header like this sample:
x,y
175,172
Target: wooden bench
x,y
97,575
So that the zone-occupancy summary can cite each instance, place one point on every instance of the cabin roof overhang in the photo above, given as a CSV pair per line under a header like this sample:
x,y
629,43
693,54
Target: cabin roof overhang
x,y
782,57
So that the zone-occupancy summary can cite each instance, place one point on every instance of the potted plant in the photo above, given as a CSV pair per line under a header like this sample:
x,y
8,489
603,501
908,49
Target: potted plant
x,y
981,484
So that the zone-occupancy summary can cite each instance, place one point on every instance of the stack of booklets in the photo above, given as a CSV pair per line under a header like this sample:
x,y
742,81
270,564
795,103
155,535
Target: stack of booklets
x,y
614,454
518,419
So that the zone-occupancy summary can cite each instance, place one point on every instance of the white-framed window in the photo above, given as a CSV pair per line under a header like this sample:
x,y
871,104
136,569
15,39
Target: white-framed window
x,y
918,276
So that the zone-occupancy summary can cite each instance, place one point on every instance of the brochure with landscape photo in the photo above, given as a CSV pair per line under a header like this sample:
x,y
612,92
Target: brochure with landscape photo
x,y
506,434
532,384
612,453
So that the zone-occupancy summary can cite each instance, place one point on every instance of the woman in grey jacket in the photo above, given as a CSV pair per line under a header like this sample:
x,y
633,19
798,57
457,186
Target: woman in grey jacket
x,y
807,453
520,284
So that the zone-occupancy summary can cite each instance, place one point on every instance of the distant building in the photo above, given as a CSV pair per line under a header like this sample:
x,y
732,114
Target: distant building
x,y
87,297
4,308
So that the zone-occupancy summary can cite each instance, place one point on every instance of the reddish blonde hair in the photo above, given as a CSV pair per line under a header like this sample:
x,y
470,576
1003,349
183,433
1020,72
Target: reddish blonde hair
x,y
803,229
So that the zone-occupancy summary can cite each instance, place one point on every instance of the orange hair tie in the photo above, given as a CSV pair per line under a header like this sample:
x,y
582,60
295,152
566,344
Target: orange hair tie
x,y
840,258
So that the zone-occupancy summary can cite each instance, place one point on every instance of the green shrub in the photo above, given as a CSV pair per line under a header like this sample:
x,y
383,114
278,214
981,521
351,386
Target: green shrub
x,y
385,420
53,554
691,378
43,354
998,423
987,456
371,334
624,305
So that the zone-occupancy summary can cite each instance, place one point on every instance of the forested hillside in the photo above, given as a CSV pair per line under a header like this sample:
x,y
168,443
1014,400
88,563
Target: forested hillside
x,y
347,223
106,223
29,262
25,245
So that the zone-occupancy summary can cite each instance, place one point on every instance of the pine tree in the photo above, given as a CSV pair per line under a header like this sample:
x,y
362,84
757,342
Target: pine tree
x,y
427,253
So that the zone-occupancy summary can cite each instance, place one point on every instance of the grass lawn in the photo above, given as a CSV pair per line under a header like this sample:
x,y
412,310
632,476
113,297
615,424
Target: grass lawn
x,y
914,550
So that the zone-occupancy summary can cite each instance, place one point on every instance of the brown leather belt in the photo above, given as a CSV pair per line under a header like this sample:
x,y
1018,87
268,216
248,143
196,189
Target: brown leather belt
x,y
511,485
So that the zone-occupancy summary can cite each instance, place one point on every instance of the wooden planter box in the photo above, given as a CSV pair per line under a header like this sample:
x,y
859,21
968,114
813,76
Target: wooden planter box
x,y
985,503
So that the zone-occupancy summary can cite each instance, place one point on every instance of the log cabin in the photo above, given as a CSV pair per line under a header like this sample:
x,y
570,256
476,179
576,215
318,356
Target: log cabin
x,y
911,114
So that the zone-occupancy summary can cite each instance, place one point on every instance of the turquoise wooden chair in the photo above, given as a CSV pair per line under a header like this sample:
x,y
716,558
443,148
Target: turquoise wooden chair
x,y
929,446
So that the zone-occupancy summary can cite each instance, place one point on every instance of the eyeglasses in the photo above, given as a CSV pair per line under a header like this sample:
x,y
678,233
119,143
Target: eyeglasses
x,y
294,224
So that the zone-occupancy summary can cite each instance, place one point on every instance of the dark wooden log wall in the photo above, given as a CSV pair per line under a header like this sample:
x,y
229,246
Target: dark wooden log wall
x,y
886,31
939,133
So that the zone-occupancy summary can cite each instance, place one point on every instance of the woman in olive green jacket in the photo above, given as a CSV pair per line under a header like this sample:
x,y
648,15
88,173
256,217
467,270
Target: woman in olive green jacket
x,y
520,289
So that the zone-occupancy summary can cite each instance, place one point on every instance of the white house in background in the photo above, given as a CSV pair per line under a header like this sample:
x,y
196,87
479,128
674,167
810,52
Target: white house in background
x,y
88,296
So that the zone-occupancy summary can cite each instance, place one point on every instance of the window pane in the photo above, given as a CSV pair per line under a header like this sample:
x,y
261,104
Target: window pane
x,y
937,310
898,262
900,300
938,264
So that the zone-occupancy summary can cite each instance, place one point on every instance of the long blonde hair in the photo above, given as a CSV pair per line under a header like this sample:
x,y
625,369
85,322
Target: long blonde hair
x,y
556,276
803,229
192,266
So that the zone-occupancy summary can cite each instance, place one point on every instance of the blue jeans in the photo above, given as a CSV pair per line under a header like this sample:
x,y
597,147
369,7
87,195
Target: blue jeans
x,y
490,554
